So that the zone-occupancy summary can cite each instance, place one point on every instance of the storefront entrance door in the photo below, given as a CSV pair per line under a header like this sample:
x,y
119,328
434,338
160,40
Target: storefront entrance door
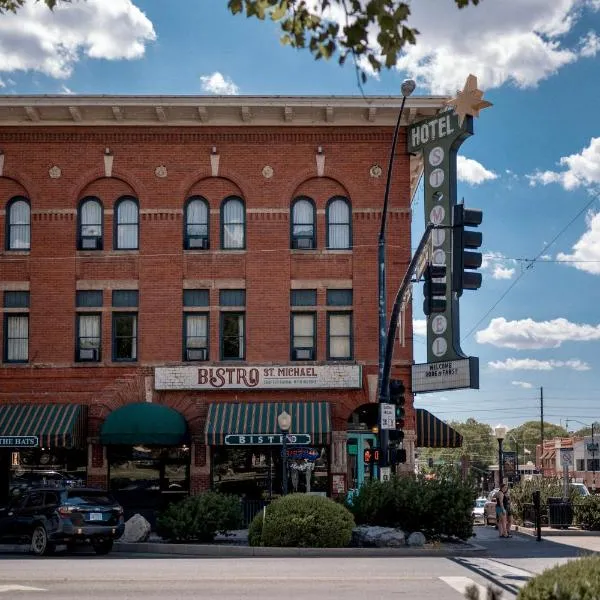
x,y
360,471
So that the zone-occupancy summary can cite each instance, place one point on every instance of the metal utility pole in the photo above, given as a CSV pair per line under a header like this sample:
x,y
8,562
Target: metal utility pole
x,y
542,416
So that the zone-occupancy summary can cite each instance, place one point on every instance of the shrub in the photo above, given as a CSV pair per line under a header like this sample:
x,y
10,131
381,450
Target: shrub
x,y
575,580
438,507
302,521
587,512
200,518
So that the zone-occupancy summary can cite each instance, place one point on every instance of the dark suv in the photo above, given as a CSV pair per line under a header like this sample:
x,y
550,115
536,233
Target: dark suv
x,y
47,517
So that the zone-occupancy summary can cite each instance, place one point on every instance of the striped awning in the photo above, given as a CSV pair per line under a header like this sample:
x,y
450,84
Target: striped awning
x,y
434,433
55,425
227,418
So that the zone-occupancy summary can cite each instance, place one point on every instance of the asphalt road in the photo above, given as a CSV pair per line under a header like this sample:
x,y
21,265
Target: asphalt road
x,y
506,563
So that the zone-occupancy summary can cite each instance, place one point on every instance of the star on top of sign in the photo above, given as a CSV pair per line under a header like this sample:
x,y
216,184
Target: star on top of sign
x,y
468,102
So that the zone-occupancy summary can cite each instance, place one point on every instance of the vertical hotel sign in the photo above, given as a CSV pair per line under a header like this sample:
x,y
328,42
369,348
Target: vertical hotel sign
x,y
439,138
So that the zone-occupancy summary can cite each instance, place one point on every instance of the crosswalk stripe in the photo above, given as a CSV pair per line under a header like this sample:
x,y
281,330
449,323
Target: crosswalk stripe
x,y
460,584
20,588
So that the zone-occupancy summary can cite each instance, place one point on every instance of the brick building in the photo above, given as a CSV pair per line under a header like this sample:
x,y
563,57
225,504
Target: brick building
x,y
177,271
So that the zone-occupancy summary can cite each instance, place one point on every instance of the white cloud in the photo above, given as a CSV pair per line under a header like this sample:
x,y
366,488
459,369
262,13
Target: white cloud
x,y
472,172
420,327
590,45
580,169
497,264
522,384
218,84
52,42
2,84
586,251
530,334
65,90
531,364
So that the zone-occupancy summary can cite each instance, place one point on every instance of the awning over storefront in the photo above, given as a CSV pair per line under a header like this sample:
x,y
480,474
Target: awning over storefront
x,y
434,433
257,418
144,423
55,425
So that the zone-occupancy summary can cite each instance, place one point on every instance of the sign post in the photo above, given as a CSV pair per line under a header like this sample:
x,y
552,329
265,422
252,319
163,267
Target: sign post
x,y
566,460
387,416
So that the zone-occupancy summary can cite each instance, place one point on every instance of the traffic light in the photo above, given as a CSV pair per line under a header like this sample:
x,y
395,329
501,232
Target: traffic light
x,y
464,261
371,455
434,292
397,390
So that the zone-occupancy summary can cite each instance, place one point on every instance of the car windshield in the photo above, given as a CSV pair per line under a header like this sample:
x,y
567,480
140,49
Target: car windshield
x,y
82,497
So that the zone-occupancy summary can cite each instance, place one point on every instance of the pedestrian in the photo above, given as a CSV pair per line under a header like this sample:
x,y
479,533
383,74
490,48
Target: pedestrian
x,y
501,511
508,509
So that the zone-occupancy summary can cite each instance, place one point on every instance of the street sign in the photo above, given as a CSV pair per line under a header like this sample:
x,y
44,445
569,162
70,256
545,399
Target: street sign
x,y
446,375
267,439
388,416
385,473
566,457
19,441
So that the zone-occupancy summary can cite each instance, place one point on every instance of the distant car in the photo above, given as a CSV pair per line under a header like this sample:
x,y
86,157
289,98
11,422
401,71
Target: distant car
x,y
477,512
580,488
47,517
44,478
489,510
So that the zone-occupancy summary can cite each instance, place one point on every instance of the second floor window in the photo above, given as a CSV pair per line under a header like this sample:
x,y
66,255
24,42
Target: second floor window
x,y
232,336
196,336
124,336
303,336
233,224
196,224
303,224
339,336
90,225
126,224
88,337
18,225
16,338
339,232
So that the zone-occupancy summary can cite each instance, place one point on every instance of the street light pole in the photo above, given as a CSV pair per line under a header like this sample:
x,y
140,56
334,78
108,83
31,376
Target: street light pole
x,y
284,421
500,433
407,88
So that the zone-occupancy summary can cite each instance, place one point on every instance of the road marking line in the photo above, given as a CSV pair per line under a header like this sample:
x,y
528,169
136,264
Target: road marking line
x,y
461,584
20,588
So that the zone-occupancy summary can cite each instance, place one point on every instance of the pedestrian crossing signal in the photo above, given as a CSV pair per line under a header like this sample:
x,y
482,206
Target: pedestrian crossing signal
x,y
371,455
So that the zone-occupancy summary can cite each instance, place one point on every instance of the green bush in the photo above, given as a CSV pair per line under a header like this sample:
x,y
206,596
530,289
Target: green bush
x,y
200,518
587,512
438,507
302,521
575,580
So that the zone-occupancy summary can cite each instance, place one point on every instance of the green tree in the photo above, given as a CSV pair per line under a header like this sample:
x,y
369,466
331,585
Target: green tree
x,y
14,5
479,445
527,436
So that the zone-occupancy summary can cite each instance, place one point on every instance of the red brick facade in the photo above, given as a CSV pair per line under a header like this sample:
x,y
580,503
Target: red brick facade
x,y
53,269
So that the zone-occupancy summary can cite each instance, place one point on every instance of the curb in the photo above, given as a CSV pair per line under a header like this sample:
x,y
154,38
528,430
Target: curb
x,y
557,532
226,551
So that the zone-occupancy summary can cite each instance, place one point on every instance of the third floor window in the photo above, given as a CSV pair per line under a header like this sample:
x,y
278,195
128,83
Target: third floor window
x,y
303,224
196,224
18,224
90,225
126,224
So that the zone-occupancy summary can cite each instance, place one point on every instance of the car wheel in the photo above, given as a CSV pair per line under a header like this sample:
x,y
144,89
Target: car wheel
x,y
39,541
103,547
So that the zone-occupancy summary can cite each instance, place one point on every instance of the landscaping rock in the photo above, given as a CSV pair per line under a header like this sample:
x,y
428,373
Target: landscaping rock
x,y
416,539
137,529
377,537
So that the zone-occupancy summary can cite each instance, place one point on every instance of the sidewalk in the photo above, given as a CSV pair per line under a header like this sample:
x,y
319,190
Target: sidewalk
x,y
579,538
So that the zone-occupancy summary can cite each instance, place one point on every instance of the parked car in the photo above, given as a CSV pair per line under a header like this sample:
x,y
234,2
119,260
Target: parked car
x,y
489,510
44,478
478,516
580,488
47,517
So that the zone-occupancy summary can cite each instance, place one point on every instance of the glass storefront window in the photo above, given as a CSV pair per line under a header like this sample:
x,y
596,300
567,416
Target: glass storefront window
x,y
255,472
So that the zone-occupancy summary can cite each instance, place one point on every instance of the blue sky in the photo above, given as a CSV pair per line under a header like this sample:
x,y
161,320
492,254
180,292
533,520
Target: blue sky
x,y
533,165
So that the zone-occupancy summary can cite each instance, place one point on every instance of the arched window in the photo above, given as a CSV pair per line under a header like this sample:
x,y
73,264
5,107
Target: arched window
x,y
339,231
18,224
196,224
89,234
303,223
126,224
233,224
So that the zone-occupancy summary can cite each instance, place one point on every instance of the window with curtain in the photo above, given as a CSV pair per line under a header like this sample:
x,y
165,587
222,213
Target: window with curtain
x,y
196,224
339,232
303,224
232,336
196,336
339,336
303,336
233,224
124,336
90,224
88,337
18,235
16,341
127,225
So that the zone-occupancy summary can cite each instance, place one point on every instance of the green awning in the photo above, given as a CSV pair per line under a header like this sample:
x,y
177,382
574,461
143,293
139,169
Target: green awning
x,y
434,433
144,423
55,425
227,418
